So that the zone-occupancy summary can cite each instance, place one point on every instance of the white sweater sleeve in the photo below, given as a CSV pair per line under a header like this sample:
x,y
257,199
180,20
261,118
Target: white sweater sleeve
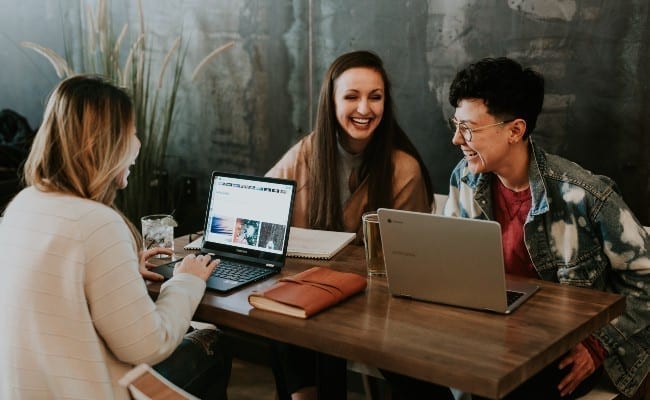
x,y
135,329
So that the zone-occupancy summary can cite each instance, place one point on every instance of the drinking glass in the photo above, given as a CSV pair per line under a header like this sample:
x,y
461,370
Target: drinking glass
x,y
372,245
158,231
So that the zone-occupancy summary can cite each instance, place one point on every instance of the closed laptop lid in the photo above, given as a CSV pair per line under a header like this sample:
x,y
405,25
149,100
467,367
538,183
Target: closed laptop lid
x,y
442,259
247,218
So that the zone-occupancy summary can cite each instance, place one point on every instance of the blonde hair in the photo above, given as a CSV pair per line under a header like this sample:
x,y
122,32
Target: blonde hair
x,y
84,141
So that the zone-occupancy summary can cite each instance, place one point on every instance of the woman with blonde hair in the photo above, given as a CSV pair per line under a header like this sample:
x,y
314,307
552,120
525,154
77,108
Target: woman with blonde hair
x,y
76,312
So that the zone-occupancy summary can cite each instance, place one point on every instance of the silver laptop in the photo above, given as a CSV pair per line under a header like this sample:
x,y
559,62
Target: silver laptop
x,y
246,226
454,261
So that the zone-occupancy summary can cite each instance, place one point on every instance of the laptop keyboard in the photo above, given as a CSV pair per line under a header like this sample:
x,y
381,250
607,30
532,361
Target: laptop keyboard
x,y
512,296
238,272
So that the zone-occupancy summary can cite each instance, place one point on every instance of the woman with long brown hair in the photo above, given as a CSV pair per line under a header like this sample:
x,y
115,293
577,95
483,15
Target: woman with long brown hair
x,y
357,159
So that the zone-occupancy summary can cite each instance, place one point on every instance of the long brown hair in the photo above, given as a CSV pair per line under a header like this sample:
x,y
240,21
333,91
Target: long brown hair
x,y
83,143
325,210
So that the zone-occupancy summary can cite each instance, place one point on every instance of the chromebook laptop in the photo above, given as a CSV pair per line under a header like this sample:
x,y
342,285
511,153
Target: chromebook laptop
x,y
455,261
246,226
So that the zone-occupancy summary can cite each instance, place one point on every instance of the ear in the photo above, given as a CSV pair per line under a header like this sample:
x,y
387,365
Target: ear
x,y
517,130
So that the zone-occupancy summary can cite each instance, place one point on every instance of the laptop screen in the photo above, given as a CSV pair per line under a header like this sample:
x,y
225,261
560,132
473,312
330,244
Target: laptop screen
x,y
248,217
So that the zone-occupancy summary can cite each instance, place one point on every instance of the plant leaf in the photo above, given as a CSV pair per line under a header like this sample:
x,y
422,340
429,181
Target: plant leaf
x,y
209,58
128,63
168,56
141,14
60,65
120,38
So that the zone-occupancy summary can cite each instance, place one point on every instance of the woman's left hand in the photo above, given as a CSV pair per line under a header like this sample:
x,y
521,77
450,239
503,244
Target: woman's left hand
x,y
145,264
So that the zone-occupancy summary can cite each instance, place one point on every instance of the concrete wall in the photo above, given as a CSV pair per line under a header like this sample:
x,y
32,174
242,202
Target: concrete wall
x,y
256,99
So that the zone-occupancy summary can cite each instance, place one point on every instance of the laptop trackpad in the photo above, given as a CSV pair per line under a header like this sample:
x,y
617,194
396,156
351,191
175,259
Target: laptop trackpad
x,y
221,284
166,270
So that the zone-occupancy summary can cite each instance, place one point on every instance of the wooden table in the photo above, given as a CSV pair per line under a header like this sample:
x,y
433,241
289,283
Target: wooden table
x,y
478,352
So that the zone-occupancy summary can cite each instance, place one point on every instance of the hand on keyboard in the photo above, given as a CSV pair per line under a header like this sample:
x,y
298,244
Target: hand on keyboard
x,y
200,265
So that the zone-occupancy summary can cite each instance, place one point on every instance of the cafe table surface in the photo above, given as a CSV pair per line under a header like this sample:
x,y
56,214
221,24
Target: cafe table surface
x,y
479,352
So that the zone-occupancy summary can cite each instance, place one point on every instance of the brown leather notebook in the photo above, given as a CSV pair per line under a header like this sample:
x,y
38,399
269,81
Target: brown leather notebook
x,y
309,292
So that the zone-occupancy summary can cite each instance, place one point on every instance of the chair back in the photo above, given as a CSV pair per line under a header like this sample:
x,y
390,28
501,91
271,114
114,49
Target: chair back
x,y
439,201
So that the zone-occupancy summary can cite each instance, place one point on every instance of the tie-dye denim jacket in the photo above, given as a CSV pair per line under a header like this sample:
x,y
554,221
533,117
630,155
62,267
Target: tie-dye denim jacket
x,y
580,232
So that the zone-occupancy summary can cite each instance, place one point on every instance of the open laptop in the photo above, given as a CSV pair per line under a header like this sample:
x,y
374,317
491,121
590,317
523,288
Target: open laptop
x,y
246,226
456,261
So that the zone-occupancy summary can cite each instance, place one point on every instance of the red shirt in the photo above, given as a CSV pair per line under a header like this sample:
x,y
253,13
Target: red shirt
x,y
510,211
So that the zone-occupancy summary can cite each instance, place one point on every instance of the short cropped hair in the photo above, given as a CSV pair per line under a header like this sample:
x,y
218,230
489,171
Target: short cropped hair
x,y
508,89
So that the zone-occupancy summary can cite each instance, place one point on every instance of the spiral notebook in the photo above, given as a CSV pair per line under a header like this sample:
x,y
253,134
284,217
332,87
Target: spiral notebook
x,y
195,244
315,243
306,243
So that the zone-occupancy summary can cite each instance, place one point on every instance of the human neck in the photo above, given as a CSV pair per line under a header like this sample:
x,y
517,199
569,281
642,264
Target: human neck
x,y
514,175
352,146
515,187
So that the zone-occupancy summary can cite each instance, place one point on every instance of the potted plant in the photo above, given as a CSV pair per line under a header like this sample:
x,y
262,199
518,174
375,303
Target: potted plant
x,y
154,89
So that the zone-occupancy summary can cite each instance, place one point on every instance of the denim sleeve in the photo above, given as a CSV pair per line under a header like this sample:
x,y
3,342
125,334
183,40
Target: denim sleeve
x,y
625,243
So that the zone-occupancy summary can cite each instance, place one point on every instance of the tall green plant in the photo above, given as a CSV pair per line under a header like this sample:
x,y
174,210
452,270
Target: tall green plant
x,y
94,48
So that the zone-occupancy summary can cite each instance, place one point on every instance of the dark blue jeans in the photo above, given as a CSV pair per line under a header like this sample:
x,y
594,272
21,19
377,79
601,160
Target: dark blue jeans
x,y
199,365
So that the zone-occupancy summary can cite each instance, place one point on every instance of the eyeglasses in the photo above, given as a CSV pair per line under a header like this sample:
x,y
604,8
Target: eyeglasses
x,y
466,131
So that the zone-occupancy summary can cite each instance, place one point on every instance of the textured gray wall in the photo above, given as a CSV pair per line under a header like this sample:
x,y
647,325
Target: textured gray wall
x,y
256,99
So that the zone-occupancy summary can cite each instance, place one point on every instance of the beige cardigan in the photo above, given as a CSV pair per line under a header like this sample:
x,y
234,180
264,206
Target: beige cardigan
x,y
409,190
76,314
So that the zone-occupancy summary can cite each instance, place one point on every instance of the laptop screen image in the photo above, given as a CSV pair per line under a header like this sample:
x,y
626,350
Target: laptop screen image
x,y
246,226
248,218
455,261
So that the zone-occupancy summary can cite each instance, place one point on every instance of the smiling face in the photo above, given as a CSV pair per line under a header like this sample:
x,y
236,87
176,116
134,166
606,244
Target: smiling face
x,y
134,149
489,148
359,102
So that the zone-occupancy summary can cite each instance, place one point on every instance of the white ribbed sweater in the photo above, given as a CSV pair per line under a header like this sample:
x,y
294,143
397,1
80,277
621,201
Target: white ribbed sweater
x,y
75,313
